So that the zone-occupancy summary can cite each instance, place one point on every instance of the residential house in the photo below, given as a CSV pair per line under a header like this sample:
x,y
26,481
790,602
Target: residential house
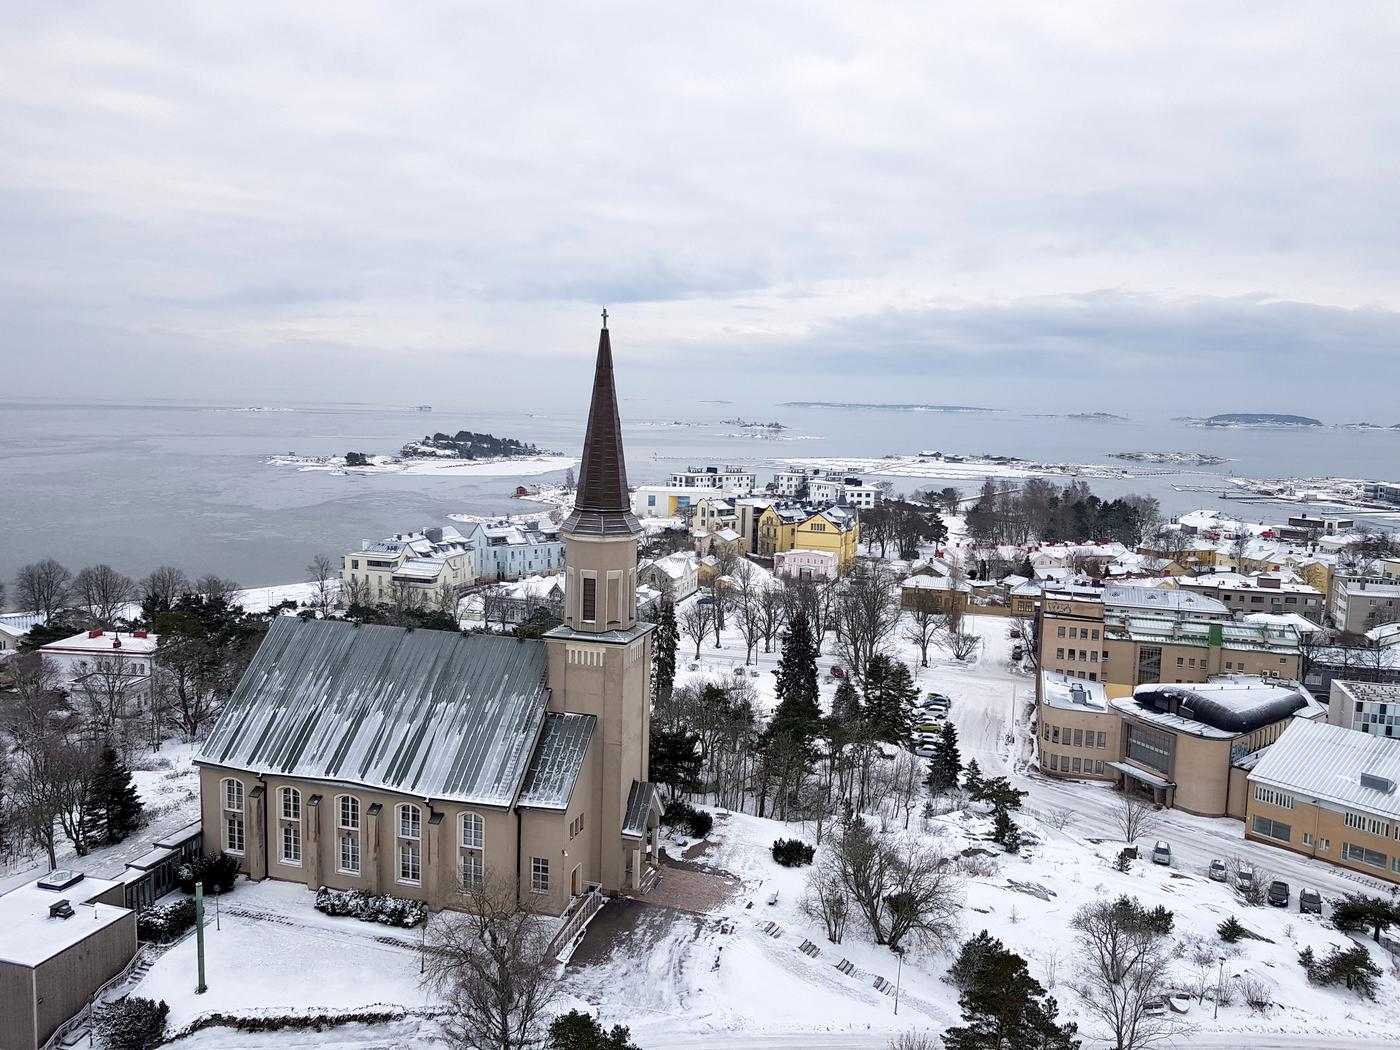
x,y
1279,593
939,594
110,669
13,628
431,565
1367,707
731,479
676,574
508,550
672,501
835,529
427,763
842,489
806,564
1360,603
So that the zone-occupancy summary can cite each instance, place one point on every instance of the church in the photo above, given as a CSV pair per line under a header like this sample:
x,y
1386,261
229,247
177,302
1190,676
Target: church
x,y
422,763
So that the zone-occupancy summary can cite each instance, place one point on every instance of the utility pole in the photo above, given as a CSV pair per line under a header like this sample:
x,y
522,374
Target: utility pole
x,y
201,988
898,973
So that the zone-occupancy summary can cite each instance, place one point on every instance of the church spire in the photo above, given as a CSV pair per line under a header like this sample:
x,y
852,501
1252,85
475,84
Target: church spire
x,y
602,506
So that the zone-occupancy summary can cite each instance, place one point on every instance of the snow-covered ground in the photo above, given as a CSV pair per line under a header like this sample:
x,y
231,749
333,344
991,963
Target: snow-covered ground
x,y
524,466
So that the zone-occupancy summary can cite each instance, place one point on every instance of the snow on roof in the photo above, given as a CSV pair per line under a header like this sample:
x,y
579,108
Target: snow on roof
x,y
558,760
1162,598
640,801
434,714
32,937
728,535
1067,693
934,583
20,623
535,586
1329,762
1230,704
104,642
1386,634
1297,621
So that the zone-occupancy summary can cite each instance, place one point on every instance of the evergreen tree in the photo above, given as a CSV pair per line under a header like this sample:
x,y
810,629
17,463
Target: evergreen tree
x,y
1003,1006
797,666
675,759
1357,913
845,705
1026,569
114,808
665,640
972,778
889,699
580,1031
1005,832
1231,930
946,763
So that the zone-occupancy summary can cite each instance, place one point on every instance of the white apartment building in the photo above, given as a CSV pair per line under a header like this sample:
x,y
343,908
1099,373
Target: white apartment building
x,y
848,490
1367,707
113,666
793,483
734,479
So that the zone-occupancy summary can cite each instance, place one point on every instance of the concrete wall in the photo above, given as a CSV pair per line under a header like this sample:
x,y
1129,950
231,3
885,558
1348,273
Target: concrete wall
x,y
1057,728
17,1008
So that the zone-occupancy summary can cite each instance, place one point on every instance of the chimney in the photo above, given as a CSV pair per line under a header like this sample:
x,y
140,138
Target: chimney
x,y
140,634
95,634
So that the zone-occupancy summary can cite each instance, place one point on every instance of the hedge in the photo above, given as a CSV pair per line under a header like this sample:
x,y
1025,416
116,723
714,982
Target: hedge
x,y
163,923
367,907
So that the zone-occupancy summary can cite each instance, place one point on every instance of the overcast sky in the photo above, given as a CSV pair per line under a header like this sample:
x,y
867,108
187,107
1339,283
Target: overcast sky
x,y
1171,207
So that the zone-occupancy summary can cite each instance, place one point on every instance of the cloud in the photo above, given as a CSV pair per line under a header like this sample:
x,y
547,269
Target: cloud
x,y
1088,196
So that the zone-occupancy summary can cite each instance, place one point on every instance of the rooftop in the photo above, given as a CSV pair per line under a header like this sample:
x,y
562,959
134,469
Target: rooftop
x,y
1164,600
1368,692
1328,762
434,714
1066,693
1224,706
558,760
105,642
32,937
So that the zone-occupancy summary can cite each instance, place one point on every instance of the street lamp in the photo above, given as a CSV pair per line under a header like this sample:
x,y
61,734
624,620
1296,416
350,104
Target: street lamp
x,y
898,973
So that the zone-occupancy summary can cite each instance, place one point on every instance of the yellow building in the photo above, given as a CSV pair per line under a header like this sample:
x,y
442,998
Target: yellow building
x,y
835,529
1329,792
777,529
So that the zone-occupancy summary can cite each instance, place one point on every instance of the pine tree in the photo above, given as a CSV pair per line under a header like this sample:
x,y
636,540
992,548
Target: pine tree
x,y
1231,930
1003,1006
845,705
1005,832
114,810
665,640
972,779
675,759
946,763
797,666
889,699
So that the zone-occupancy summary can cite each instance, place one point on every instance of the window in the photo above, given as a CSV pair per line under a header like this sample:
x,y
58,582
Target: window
x,y
1323,845
233,795
1149,664
1370,825
233,835
1103,740
1272,797
473,831
1074,632
1055,734
1273,829
590,598
410,822
1181,661
1307,839
1045,731
1079,738
1361,855
1075,763
539,875
1094,634
1060,633
1055,762
1059,654
291,844
1098,767
349,853
473,875
349,812
1150,747
410,862
291,804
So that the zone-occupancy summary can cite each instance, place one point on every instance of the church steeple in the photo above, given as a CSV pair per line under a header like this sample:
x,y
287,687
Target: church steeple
x,y
602,507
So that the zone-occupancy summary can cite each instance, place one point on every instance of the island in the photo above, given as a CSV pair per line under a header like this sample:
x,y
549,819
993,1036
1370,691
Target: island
x,y
1193,459
1255,419
466,444
465,452
1088,417
750,425
868,406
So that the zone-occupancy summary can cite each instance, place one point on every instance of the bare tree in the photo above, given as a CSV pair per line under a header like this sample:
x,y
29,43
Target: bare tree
x,y
163,586
772,614
826,898
922,623
216,588
696,619
866,615
745,594
323,575
1025,627
960,645
105,591
490,962
1124,967
43,586
900,891
726,562
109,697
569,481
1133,815
916,1040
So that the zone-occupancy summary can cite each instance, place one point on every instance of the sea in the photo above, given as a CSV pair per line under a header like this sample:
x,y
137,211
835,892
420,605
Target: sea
x,y
136,484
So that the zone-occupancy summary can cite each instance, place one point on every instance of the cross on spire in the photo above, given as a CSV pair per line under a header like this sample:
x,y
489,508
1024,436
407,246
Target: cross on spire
x,y
605,317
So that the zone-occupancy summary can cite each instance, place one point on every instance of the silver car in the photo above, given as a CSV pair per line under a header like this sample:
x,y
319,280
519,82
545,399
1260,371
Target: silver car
x,y
1217,871
1162,854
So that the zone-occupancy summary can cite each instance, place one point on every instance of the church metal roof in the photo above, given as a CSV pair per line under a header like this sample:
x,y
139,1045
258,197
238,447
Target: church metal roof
x,y
558,760
434,714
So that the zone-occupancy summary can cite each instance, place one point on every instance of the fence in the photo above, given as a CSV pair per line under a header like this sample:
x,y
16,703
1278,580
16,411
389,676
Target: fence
x,y
576,916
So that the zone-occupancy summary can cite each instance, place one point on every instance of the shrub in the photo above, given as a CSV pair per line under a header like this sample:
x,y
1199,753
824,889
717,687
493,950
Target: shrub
x,y
792,853
1255,993
697,822
580,1031
1231,930
163,923
1352,967
367,907
132,1024
218,872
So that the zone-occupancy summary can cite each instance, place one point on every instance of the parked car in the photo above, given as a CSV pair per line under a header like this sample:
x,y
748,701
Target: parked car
x,y
1162,854
924,750
1309,901
836,672
1279,893
930,727
938,700
1245,879
1217,870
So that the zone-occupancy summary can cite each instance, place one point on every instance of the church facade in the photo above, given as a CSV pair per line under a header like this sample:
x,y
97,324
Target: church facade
x,y
426,764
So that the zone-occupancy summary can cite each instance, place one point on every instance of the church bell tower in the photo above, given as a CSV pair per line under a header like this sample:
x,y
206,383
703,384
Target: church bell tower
x,y
600,657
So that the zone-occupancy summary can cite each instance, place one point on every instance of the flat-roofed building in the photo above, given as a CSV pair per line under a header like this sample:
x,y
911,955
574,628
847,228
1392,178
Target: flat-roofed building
x,y
1079,731
1329,792
1188,746
1361,604
1367,707
61,938
733,479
